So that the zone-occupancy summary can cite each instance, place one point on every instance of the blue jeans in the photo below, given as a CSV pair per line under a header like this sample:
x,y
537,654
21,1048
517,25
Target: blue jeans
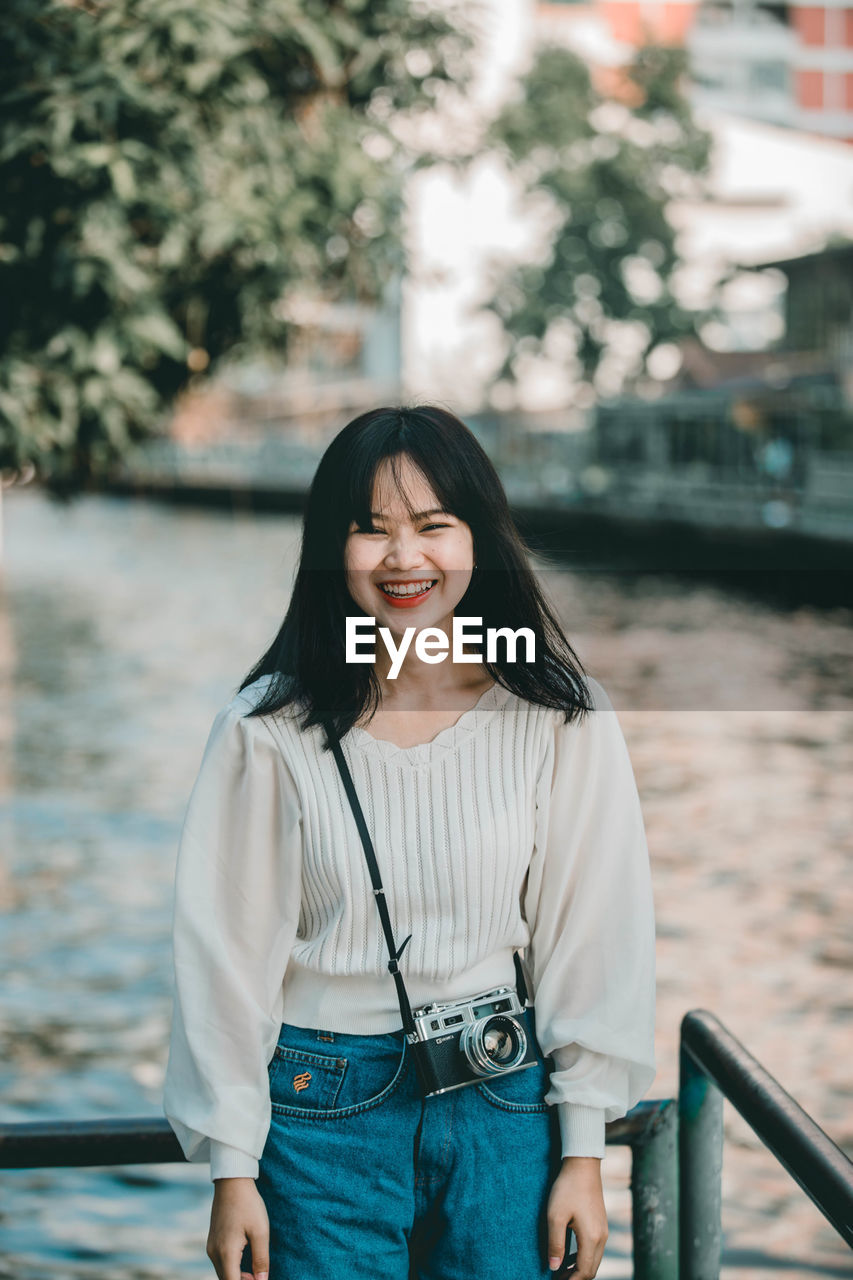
x,y
365,1179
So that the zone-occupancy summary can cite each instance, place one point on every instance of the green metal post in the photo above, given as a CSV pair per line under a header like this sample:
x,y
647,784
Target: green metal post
x,y
700,1162
654,1194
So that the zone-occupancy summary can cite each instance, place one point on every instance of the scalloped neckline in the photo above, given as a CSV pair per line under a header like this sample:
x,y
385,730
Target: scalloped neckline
x,y
488,701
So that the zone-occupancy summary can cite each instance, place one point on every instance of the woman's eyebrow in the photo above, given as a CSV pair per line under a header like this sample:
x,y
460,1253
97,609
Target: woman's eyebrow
x,y
419,515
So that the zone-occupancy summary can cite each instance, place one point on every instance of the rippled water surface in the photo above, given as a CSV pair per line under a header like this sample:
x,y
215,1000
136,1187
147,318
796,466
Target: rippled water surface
x,y
124,626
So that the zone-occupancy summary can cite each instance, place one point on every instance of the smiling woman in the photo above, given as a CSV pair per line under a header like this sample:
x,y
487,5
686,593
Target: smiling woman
x,y
402,497
408,561
502,803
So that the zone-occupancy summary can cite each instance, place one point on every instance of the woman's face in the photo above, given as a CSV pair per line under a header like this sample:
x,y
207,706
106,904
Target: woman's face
x,y
438,548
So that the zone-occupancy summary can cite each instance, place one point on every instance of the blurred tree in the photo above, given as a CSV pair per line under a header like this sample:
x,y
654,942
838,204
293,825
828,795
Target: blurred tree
x,y
601,172
170,170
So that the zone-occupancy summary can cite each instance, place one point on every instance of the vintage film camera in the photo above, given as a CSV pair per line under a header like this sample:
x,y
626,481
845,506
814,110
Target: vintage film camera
x,y
467,1041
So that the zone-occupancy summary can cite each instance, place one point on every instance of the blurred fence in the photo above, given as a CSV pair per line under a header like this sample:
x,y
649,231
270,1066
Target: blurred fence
x,y
705,460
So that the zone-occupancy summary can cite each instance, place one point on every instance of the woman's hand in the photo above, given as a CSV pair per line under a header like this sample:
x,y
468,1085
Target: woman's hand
x,y
577,1201
238,1214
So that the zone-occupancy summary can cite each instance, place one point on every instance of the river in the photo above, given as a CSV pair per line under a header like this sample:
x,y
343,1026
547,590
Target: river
x,y
125,625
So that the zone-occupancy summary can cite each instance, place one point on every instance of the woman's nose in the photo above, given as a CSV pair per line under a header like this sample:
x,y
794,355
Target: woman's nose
x,y
403,552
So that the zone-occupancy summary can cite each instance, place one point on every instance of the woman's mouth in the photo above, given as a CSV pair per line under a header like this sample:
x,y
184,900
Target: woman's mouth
x,y
403,595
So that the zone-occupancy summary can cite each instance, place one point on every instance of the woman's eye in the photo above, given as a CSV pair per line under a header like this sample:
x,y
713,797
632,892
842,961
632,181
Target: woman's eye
x,y
424,530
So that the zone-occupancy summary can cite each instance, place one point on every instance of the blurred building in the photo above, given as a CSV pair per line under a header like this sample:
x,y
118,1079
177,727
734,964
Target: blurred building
x,y
791,403
773,193
819,300
818,313
786,63
742,58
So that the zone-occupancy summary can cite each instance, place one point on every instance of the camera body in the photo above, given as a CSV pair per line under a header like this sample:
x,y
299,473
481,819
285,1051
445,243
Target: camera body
x,y
466,1041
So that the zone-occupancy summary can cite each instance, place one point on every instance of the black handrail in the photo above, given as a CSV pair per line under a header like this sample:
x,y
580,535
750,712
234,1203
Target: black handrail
x,y
714,1065
54,1144
649,1129
810,1156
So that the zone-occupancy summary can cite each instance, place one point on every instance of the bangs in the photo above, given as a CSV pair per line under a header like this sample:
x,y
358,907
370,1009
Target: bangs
x,y
373,486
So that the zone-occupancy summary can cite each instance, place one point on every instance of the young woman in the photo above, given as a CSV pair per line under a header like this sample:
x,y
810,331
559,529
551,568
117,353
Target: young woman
x,y
504,815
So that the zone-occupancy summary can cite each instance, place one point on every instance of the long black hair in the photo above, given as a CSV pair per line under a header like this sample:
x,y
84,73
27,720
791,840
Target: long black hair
x,y
306,660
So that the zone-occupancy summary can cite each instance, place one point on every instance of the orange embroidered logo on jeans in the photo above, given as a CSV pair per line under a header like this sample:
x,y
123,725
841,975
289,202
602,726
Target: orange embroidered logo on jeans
x,y
302,1081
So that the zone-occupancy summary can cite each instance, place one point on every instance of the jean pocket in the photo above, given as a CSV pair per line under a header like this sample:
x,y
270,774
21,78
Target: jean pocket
x,y
364,1072
523,1090
304,1079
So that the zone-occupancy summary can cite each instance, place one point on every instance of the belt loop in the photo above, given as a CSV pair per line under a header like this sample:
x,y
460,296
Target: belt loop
x,y
328,1036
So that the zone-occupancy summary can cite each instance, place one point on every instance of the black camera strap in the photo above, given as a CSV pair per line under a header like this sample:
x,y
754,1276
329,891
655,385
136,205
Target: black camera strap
x,y
379,893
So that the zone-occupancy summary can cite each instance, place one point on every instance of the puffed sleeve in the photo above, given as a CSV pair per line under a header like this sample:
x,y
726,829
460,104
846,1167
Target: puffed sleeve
x,y
587,901
236,911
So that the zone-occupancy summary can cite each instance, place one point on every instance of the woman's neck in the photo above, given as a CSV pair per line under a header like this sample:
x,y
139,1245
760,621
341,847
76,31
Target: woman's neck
x,y
424,686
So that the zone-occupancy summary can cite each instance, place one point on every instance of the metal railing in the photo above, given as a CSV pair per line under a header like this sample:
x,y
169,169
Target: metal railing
x,y
649,1129
676,1152
715,1065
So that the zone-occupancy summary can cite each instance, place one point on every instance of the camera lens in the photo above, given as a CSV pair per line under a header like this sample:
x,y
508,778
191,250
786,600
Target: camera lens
x,y
494,1044
499,1045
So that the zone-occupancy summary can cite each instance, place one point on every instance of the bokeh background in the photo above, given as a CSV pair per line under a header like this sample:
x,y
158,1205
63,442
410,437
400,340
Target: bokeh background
x,y
617,239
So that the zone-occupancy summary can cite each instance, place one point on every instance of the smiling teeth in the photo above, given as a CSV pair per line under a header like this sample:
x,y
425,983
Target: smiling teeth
x,y
411,589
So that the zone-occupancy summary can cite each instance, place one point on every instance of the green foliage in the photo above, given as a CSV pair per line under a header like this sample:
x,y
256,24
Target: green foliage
x,y
170,171
607,171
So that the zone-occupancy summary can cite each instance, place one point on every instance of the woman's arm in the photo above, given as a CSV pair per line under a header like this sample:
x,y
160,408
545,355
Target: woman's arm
x,y
588,903
236,910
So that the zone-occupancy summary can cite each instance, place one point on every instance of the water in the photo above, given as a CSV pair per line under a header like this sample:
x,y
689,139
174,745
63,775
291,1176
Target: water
x,y
124,627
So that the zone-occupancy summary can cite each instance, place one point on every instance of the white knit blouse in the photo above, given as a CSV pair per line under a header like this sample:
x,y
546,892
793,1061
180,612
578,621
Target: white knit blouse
x,y
509,830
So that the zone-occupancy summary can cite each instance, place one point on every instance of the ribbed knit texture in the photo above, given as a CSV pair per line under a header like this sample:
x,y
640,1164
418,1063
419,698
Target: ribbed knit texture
x,y
509,830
